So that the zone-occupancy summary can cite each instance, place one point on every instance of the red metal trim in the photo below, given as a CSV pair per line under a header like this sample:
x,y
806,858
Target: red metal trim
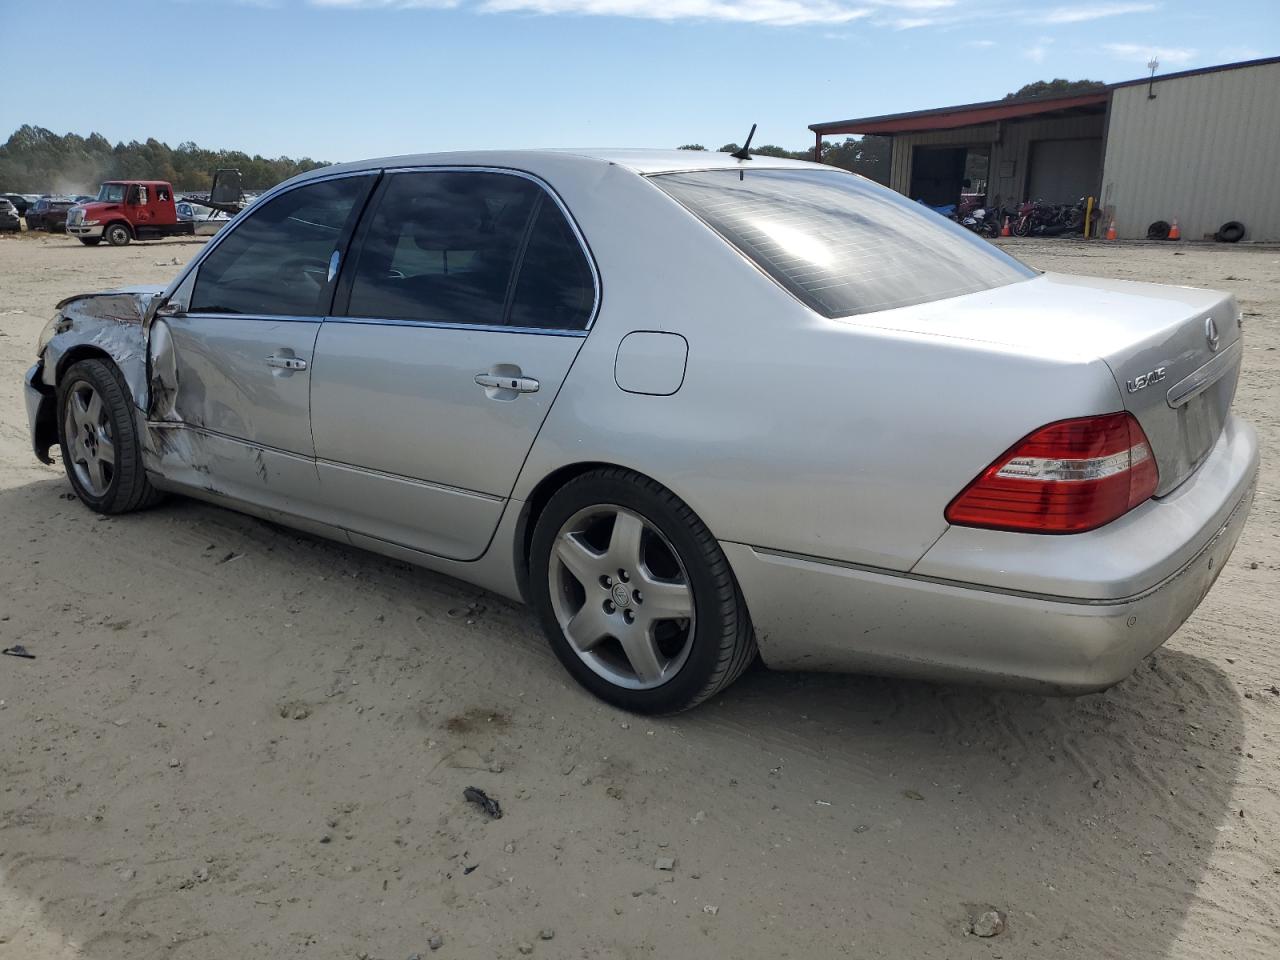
x,y
961,116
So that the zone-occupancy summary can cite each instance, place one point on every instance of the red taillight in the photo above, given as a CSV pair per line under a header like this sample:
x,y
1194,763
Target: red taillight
x,y
1067,477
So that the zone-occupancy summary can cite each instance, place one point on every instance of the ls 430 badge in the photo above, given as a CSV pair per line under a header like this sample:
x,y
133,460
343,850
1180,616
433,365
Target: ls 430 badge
x,y
1144,381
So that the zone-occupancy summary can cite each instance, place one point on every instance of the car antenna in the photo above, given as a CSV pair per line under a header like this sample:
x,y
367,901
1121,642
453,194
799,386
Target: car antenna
x,y
744,154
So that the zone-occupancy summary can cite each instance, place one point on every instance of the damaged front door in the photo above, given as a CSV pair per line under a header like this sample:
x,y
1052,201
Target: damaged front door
x,y
236,343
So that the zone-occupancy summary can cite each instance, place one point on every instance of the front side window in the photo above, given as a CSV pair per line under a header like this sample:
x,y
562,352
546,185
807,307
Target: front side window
x,y
442,247
841,244
471,247
276,262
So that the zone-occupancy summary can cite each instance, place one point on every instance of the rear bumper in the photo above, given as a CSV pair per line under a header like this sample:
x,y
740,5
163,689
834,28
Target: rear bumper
x,y
810,614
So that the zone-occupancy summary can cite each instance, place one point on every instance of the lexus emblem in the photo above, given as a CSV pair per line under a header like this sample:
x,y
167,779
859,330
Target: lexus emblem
x,y
1211,333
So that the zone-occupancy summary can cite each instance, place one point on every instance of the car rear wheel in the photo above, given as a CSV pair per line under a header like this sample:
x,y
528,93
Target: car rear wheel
x,y
99,439
118,235
90,241
635,594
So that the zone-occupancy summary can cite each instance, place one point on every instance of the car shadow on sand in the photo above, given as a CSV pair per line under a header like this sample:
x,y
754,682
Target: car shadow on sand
x,y
1088,822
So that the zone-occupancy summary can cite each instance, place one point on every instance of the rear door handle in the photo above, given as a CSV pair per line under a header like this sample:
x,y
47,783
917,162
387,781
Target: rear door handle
x,y
518,384
286,363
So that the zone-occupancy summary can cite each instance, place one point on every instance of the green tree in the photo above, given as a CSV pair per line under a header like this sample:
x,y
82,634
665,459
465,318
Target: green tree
x,y
36,160
1054,88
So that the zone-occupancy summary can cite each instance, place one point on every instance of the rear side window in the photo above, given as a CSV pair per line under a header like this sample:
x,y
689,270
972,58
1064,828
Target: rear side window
x,y
276,262
556,288
841,244
471,248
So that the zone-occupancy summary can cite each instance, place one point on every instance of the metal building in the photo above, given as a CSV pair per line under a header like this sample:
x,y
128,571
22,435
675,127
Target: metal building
x,y
1202,146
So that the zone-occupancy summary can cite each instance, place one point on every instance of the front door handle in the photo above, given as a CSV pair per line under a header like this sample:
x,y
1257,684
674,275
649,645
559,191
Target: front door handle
x,y
495,381
286,363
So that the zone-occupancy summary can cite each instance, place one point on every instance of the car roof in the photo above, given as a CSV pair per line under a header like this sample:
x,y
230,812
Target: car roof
x,y
644,162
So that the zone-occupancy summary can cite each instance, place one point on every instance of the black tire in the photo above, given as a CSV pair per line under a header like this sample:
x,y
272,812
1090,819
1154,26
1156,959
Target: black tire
x,y
1230,232
128,488
91,241
1158,230
118,234
723,642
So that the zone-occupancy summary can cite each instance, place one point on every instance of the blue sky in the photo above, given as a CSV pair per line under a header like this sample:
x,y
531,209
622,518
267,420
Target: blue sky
x,y
343,79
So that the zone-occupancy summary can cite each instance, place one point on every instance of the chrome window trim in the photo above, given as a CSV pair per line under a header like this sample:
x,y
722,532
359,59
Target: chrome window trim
x,y
565,212
272,317
455,325
234,223
281,189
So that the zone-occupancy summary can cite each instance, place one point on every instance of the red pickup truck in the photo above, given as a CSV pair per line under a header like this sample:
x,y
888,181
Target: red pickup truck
x,y
128,210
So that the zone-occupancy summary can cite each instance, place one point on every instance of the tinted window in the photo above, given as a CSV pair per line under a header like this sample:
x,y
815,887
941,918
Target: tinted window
x,y
277,260
842,244
555,289
442,247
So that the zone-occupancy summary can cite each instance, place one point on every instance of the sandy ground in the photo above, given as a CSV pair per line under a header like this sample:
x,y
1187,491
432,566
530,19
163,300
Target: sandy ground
x,y
238,742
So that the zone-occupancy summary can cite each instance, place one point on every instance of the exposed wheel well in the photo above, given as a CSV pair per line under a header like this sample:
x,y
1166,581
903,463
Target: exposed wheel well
x,y
124,223
537,502
78,353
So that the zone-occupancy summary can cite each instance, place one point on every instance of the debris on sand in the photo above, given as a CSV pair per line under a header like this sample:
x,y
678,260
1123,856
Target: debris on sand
x,y
18,650
987,923
484,802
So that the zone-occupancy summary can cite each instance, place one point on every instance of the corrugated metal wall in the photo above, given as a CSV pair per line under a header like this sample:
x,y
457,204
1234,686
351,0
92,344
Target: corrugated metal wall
x,y
1013,147
1205,150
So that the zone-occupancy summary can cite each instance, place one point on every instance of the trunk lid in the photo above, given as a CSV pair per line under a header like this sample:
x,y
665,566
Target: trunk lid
x,y
1158,342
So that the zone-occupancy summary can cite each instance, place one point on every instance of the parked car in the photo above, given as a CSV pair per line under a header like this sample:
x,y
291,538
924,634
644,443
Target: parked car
x,y
49,213
9,219
691,408
19,202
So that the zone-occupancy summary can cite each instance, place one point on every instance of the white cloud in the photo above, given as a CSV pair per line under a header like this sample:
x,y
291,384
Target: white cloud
x,y
1082,14
770,12
1141,53
773,12
1039,50
980,43
899,14
912,23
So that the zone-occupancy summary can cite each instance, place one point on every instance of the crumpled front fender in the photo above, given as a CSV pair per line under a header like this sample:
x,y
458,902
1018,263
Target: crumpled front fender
x,y
111,323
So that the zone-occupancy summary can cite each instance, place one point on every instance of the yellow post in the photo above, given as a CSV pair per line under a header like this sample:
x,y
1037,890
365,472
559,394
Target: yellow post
x,y
1088,216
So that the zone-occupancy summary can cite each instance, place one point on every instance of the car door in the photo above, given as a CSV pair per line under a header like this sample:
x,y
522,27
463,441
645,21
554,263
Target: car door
x,y
238,340
457,318
139,208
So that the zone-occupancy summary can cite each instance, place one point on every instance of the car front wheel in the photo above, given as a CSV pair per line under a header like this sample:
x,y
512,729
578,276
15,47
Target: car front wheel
x,y
118,235
99,439
635,594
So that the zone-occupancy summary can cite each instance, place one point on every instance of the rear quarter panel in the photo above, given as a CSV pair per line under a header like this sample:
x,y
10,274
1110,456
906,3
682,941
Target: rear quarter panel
x,y
834,439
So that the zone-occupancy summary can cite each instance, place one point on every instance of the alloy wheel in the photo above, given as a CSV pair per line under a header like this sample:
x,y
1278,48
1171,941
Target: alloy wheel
x,y
622,597
90,445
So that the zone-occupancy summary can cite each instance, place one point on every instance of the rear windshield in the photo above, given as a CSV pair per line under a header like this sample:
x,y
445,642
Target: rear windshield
x,y
842,244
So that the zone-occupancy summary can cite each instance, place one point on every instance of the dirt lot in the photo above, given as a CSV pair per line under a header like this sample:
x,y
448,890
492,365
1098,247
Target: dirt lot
x,y
238,742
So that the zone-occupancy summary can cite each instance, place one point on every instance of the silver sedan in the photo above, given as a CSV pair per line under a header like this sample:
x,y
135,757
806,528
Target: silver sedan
x,y
694,409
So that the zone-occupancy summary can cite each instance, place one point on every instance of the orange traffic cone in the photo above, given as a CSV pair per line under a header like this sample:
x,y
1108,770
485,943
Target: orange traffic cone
x,y
1174,232
1111,230
1005,231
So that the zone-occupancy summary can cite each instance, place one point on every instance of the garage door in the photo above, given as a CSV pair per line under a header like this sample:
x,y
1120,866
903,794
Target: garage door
x,y
1064,170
